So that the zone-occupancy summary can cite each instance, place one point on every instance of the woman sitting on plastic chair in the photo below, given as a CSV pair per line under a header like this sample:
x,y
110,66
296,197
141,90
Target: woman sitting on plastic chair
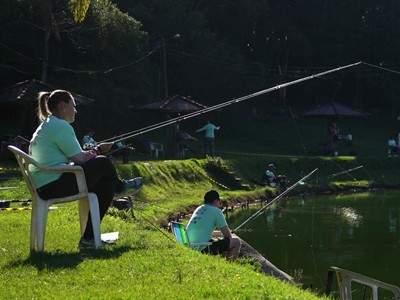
x,y
55,143
205,219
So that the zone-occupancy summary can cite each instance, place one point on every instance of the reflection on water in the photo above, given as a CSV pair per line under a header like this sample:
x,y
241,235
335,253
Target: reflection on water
x,y
358,232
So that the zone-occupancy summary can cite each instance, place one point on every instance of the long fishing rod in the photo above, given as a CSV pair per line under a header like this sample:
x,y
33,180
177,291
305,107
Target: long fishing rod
x,y
134,133
261,210
340,173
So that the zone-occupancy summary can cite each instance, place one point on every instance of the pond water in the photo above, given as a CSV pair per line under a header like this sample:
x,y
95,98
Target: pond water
x,y
305,236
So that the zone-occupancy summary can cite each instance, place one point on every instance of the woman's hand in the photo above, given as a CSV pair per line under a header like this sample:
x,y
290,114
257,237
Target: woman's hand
x,y
104,147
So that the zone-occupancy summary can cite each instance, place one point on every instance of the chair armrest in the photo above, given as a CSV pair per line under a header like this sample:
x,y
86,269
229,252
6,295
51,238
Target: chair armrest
x,y
77,170
63,168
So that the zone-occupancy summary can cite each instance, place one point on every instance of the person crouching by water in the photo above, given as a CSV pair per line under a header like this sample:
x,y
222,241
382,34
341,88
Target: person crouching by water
x,y
54,143
203,224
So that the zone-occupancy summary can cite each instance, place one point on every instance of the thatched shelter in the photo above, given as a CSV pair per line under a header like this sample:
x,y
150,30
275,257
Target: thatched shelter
x,y
19,105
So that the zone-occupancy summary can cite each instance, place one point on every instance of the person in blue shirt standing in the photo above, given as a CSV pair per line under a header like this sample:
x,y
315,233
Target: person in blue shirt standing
x,y
209,137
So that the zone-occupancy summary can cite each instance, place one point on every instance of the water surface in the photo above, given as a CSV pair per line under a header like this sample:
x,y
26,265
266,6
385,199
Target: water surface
x,y
305,236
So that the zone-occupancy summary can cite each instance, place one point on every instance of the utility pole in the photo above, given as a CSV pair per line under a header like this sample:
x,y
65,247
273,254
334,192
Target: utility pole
x,y
45,54
171,130
165,69
176,36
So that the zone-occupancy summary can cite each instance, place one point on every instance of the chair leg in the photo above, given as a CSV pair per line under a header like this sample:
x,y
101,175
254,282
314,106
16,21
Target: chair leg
x,y
83,214
41,222
33,226
95,215
93,204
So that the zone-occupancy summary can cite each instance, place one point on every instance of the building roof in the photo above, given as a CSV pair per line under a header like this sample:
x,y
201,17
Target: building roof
x,y
27,91
335,110
174,104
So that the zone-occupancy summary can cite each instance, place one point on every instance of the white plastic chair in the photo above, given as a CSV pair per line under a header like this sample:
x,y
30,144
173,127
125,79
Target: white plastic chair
x,y
156,150
345,279
40,207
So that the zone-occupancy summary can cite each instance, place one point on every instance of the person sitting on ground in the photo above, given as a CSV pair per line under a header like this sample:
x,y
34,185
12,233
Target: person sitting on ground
x,y
87,141
393,147
269,177
54,143
203,224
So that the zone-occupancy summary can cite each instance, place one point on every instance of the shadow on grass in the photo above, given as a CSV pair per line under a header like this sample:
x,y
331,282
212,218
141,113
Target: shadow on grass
x,y
60,260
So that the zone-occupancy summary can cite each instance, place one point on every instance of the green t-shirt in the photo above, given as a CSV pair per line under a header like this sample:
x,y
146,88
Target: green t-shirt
x,y
53,142
209,130
204,221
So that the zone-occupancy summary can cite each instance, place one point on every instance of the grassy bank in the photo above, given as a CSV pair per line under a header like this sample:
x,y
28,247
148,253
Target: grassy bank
x,y
147,262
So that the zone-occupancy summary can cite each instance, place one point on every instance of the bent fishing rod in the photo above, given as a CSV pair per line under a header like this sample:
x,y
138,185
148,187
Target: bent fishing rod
x,y
261,210
137,132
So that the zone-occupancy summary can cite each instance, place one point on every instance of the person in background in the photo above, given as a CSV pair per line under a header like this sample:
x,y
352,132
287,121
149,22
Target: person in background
x,y
54,143
183,139
269,177
203,224
393,147
333,136
87,141
209,137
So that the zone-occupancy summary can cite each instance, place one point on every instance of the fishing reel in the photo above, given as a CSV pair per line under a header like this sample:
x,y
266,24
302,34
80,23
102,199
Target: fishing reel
x,y
88,146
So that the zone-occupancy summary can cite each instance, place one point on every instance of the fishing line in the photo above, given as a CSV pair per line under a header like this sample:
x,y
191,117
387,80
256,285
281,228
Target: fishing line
x,y
134,133
381,68
141,215
312,243
298,131
156,227
257,213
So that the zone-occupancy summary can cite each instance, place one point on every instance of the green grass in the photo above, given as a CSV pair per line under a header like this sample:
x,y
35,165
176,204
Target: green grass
x,y
146,263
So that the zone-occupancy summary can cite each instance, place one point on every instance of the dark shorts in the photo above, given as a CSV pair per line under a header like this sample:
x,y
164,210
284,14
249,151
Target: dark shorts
x,y
218,247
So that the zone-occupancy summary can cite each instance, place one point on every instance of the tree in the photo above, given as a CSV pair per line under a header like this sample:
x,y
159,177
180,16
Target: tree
x,y
79,9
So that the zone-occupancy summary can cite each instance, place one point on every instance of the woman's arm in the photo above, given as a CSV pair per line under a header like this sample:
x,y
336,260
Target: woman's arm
x,y
83,157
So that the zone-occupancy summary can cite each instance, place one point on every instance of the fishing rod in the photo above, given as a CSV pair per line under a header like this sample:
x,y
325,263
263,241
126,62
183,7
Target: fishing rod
x,y
17,201
261,210
340,173
348,174
137,132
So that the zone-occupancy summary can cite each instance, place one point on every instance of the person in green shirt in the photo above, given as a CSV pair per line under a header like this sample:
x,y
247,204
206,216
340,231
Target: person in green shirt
x,y
209,137
208,224
54,143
